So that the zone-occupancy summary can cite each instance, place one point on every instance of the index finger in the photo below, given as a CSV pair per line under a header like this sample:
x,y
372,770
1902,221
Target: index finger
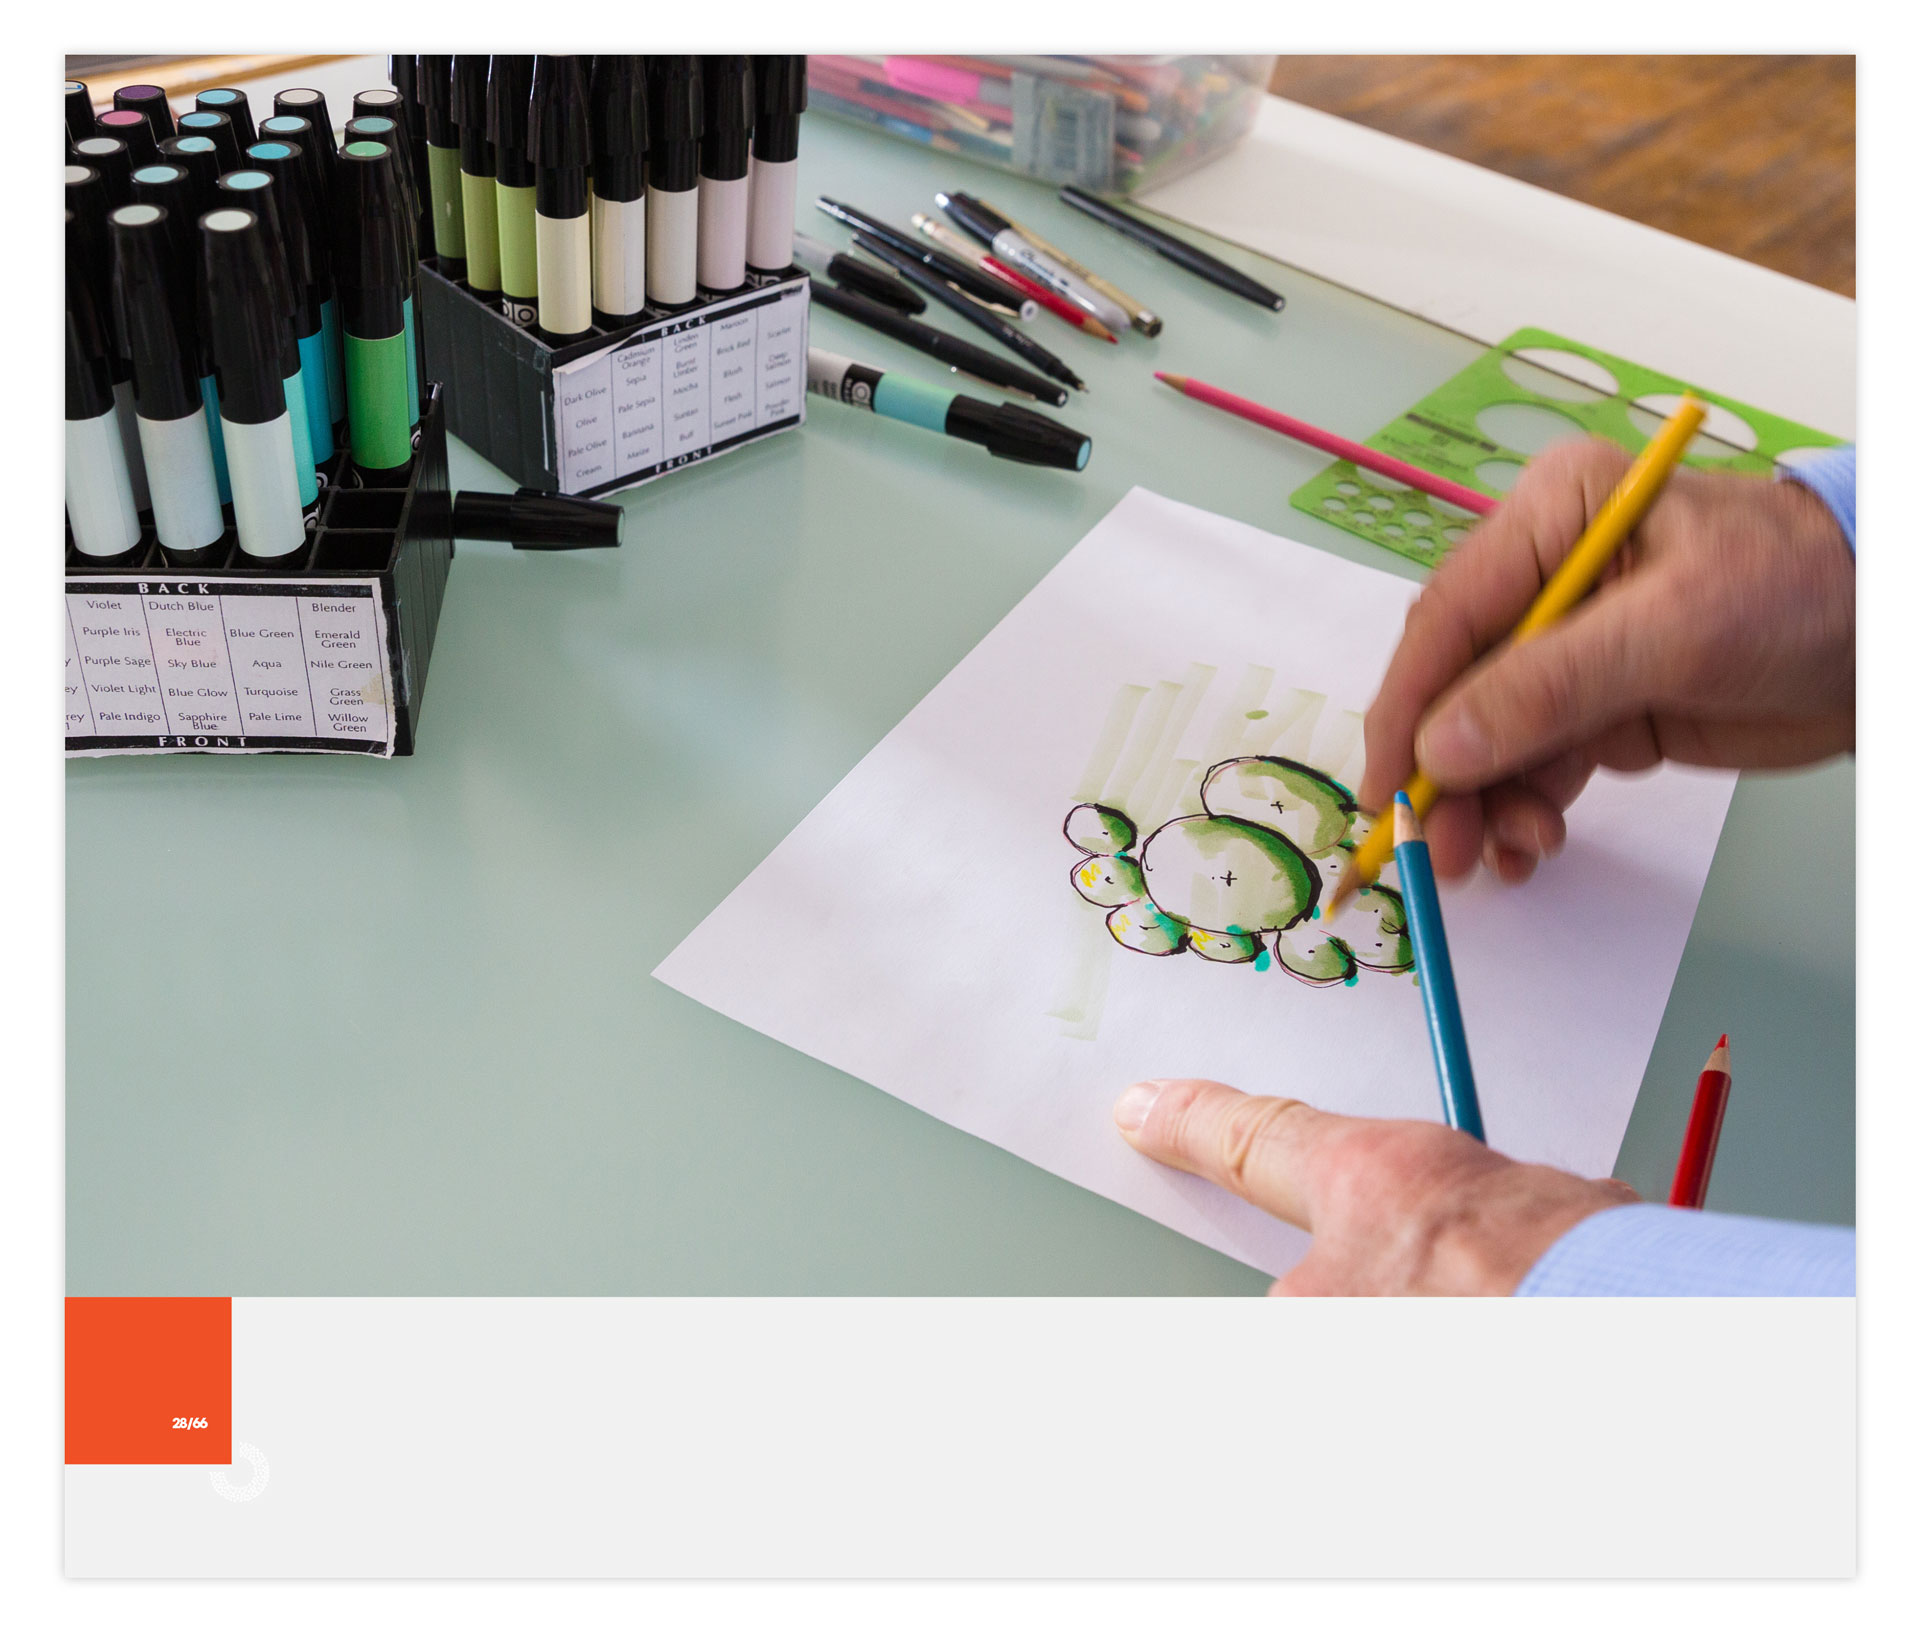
x,y
1261,1149
1477,595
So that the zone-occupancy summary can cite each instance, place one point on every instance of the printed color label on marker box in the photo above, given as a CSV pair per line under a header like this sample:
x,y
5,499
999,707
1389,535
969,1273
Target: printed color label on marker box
x,y
149,1380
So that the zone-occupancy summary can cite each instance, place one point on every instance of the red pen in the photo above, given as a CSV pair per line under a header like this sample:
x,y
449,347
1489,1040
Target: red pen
x,y
1056,304
1695,1166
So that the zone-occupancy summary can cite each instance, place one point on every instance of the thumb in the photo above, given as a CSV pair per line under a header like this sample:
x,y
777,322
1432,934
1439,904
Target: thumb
x,y
1526,703
1262,1149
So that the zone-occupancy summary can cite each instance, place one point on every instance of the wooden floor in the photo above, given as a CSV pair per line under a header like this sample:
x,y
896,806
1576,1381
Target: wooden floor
x,y
1751,155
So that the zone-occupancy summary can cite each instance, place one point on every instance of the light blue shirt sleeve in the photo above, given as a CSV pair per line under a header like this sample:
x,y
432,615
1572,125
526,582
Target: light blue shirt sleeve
x,y
1828,475
1646,1251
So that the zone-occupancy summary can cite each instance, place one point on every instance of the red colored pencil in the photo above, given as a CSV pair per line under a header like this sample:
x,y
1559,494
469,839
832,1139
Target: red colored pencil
x,y
1695,1166
1385,464
1046,297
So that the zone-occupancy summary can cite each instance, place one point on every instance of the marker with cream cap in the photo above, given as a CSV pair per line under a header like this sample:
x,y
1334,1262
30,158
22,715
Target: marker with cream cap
x,y
560,149
480,214
673,176
509,86
385,132
303,102
254,190
298,132
233,103
153,316
218,128
370,270
446,203
136,130
302,231
80,115
106,157
617,122
100,509
90,201
779,98
726,129
249,348
152,101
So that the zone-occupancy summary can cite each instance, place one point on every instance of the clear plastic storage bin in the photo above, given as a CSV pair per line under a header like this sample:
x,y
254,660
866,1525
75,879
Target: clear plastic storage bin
x,y
1109,124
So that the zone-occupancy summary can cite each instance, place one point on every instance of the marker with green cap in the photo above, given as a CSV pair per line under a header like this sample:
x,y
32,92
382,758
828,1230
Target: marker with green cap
x,y
389,134
255,190
370,243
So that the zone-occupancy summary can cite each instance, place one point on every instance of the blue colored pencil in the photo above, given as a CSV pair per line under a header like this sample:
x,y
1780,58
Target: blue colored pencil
x,y
1435,968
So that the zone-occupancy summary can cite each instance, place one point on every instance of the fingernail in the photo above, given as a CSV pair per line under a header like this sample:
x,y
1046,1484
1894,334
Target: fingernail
x,y
1452,746
1522,830
1130,1109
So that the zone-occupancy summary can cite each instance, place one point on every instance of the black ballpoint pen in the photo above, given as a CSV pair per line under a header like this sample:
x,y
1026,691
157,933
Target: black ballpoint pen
x,y
988,290
962,356
909,267
1177,250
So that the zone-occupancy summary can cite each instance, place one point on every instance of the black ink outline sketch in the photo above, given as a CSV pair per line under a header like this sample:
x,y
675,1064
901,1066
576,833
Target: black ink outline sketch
x,y
1242,881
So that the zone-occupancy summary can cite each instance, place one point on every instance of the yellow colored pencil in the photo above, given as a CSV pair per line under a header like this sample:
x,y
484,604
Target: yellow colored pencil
x,y
1577,574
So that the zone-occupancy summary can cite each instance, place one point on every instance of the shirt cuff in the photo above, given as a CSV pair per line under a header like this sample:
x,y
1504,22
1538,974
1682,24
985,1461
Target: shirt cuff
x,y
1646,1251
1828,475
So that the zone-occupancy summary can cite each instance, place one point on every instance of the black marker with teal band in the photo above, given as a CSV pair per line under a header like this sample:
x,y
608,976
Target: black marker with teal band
x,y
371,275
1005,431
480,213
197,157
298,133
509,89
233,103
254,190
445,199
302,235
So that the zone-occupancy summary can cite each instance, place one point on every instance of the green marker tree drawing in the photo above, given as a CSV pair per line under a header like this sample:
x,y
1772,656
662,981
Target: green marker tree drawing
x,y
1240,878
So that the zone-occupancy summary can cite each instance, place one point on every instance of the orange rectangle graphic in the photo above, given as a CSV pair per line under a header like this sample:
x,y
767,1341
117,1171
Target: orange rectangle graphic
x,y
149,1380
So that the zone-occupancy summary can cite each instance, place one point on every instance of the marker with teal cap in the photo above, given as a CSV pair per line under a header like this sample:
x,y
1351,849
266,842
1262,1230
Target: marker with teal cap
x,y
387,133
371,238
1004,430
299,133
218,129
301,237
249,334
254,190
231,101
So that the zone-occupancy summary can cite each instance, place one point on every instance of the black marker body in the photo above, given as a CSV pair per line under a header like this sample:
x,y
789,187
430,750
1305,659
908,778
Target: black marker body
x,y
80,116
371,274
445,202
218,128
509,89
780,96
106,157
673,176
726,130
100,509
617,122
133,128
152,101
233,103
480,217
90,200
560,147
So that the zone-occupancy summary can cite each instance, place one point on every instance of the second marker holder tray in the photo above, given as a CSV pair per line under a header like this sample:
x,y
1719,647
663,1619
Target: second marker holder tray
x,y
615,408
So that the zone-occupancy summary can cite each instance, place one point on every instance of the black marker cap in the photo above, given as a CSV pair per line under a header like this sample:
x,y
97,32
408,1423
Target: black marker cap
x,y
88,204
107,157
726,94
152,101
403,74
617,119
218,128
973,216
388,133
89,351
199,156
673,138
370,241
436,97
470,114
537,521
248,329
298,132
153,312
386,101
509,87
255,191
79,111
303,102
1010,432
557,140
132,127
302,228
170,187
232,101
779,98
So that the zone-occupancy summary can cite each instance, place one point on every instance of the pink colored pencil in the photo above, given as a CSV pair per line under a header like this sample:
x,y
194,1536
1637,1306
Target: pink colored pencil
x,y
1383,464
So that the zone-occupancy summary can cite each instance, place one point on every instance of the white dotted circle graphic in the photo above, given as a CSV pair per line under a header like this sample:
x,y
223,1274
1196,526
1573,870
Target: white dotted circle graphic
x,y
256,1459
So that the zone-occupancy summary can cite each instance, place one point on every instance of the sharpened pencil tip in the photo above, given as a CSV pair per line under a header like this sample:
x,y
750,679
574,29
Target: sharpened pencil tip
x,y
1177,381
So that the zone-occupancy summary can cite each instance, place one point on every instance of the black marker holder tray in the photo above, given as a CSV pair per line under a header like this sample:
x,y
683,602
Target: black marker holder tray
x,y
500,379
396,537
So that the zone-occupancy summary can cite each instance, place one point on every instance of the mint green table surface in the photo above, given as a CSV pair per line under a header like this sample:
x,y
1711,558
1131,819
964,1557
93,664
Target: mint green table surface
x,y
339,1026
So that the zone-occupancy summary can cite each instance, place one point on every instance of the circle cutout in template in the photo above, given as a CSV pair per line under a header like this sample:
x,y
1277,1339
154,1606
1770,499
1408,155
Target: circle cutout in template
x,y
1722,435
1565,376
1333,504
1797,458
1417,518
1394,532
1387,484
1381,503
1346,490
1498,474
1363,517
1526,427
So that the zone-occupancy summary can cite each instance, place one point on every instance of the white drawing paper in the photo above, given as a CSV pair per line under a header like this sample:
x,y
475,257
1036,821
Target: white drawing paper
x,y
943,924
